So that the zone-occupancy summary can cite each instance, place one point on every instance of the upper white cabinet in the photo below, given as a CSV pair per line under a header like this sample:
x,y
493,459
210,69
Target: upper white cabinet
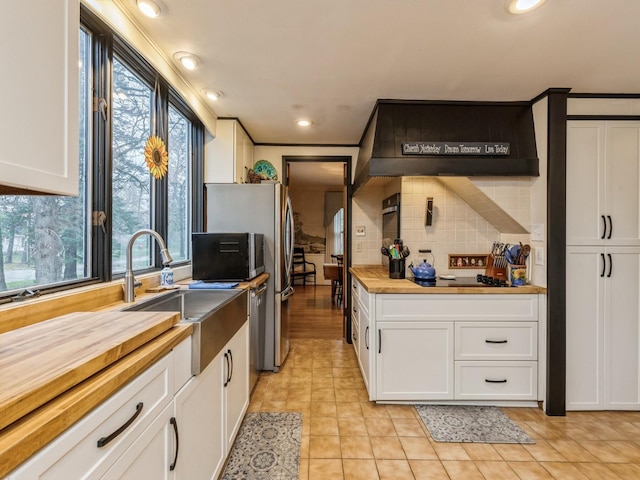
x,y
229,156
39,96
603,183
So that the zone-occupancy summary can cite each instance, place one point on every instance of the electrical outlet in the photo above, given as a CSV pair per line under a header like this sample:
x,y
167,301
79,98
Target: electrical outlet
x,y
539,253
358,246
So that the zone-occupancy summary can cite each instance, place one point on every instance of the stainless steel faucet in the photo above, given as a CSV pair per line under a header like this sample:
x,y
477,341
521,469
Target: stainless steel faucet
x,y
129,280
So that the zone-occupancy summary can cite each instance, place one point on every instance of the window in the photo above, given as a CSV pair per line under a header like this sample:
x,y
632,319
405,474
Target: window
x,y
179,191
131,181
49,242
44,238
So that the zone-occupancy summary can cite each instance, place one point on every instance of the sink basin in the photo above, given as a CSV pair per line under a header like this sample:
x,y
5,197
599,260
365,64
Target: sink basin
x,y
216,316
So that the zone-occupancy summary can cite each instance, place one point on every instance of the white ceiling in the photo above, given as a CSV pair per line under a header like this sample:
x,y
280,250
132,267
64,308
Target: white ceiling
x,y
316,174
329,60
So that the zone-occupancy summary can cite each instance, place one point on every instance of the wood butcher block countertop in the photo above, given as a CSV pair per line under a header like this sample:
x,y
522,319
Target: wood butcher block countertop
x,y
375,279
54,372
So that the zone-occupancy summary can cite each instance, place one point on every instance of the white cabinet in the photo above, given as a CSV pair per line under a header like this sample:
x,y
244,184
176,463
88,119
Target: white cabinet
x,y
602,328
603,183
199,410
152,454
453,347
228,156
39,96
210,408
362,340
236,383
414,361
603,253
93,445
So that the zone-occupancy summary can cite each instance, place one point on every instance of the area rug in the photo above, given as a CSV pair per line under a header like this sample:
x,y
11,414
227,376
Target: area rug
x,y
461,423
267,447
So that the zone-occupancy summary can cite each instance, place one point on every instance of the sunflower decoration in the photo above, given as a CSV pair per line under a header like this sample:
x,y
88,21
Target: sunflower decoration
x,y
156,156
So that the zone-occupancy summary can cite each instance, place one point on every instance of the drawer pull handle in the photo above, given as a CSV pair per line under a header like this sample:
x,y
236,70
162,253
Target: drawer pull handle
x,y
105,440
495,341
366,337
495,381
174,422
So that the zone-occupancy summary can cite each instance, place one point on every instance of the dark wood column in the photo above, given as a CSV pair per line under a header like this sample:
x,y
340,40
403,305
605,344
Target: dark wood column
x,y
556,255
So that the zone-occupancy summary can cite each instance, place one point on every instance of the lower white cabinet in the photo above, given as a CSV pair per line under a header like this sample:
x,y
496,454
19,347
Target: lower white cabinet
x,y
458,347
164,424
603,308
236,383
199,410
209,410
364,345
415,360
151,454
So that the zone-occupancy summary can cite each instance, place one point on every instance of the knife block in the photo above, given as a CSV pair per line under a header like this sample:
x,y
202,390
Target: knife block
x,y
493,271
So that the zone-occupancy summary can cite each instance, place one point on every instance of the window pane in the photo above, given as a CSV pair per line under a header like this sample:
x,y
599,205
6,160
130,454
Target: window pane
x,y
179,186
131,114
44,238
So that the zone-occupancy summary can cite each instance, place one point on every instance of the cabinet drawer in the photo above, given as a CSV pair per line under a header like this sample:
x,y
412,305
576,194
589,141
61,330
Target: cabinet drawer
x,y
496,380
496,341
75,453
445,307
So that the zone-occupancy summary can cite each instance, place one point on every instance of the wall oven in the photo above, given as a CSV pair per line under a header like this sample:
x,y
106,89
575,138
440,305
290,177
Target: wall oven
x,y
391,217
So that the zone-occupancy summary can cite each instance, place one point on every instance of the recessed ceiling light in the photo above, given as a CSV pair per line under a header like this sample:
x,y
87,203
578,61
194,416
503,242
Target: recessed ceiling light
x,y
523,6
303,123
214,94
148,8
187,60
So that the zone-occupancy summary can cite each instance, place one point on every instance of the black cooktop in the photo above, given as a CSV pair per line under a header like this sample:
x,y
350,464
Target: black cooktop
x,y
478,281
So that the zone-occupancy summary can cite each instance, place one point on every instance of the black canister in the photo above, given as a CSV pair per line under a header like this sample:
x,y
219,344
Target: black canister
x,y
396,268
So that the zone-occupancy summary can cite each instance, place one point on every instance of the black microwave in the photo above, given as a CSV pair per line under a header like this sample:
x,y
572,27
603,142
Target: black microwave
x,y
227,256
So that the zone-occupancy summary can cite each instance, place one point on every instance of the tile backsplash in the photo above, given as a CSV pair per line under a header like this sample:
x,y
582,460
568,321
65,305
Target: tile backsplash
x,y
456,227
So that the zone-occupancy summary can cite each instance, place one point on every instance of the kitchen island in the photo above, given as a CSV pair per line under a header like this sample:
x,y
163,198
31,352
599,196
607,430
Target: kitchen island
x,y
462,344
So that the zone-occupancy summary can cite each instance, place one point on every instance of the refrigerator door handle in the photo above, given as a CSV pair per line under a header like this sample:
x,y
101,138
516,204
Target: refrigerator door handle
x,y
290,228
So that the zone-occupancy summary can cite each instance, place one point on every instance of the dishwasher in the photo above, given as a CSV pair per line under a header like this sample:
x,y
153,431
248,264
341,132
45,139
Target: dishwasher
x,y
257,319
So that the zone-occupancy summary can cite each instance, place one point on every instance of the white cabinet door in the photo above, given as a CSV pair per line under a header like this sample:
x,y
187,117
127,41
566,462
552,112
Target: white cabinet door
x,y
355,327
151,455
227,155
364,346
199,413
623,183
243,154
414,361
603,183
236,382
621,332
603,356
586,215
39,96
585,328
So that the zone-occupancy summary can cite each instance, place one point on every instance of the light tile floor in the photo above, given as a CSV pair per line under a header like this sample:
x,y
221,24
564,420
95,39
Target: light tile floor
x,y
347,437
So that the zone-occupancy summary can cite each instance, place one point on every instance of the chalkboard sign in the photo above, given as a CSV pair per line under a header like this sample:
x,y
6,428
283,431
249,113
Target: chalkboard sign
x,y
456,148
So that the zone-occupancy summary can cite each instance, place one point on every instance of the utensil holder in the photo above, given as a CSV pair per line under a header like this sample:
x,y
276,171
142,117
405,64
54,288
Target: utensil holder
x,y
517,274
396,267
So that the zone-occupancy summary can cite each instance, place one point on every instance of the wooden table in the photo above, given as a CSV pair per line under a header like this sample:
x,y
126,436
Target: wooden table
x,y
333,272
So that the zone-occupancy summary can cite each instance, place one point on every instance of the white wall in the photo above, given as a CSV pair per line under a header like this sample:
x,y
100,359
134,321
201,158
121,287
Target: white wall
x,y
274,154
539,193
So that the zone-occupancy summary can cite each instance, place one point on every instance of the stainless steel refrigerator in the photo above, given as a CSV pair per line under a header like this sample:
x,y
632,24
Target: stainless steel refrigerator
x,y
261,208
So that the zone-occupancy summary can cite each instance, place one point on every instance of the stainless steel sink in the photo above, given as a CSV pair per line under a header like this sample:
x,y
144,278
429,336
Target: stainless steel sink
x,y
216,316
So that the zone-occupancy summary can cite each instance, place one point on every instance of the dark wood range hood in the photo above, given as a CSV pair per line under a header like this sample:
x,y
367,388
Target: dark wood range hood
x,y
397,122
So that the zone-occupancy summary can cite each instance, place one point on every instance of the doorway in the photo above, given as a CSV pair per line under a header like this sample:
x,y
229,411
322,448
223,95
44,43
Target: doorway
x,y
320,190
